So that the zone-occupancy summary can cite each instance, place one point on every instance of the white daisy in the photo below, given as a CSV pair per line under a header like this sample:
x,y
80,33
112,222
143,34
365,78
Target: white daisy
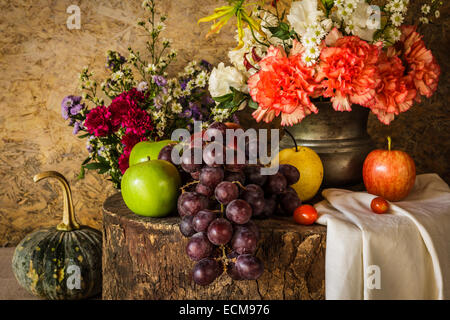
x,y
397,19
425,9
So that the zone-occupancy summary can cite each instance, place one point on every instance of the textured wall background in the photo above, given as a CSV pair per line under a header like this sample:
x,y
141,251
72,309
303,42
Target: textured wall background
x,y
40,60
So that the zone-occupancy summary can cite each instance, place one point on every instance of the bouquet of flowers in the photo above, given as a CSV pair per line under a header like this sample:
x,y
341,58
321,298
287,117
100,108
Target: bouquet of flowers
x,y
144,103
348,51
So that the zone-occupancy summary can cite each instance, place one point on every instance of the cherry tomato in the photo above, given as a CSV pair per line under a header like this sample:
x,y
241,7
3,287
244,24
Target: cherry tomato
x,y
379,205
305,214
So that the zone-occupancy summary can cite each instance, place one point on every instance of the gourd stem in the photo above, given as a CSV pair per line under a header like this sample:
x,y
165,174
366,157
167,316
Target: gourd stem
x,y
69,221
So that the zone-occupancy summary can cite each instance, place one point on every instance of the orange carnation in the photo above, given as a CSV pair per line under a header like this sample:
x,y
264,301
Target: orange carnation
x,y
284,86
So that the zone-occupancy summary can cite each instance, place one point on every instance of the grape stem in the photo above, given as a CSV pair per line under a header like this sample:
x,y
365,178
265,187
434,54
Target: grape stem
x,y
239,184
188,184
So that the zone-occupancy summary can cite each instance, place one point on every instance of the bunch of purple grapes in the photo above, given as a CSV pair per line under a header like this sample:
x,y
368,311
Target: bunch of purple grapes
x,y
217,206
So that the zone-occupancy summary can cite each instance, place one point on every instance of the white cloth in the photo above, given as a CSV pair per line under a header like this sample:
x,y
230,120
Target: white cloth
x,y
403,254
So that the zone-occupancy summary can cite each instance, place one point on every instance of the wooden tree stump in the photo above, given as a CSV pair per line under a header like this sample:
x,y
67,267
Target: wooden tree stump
x,y
144,258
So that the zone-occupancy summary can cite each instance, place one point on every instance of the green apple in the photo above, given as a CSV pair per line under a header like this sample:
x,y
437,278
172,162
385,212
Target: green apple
x,y
145,149
151,188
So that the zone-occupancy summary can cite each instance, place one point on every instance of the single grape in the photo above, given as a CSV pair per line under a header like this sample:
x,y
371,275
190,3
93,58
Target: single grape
x,y
226,192
244,241
252,191
198,247
205,271
276,183
289,202
257,205
235,176
254,175
220,231
204,190
214,154
186,227
211,177
231,266
189,203
166,153
202,220
291,173
270,207
188,162
251,226
249,267
239,211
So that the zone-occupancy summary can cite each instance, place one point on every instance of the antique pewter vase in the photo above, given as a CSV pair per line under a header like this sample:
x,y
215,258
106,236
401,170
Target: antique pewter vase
x,y
339,138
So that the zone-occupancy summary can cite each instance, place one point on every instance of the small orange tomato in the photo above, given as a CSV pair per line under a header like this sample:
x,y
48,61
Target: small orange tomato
x,y
379,205
305,214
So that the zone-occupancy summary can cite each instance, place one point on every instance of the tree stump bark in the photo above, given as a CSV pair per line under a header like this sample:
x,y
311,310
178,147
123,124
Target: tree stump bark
x,y
144,258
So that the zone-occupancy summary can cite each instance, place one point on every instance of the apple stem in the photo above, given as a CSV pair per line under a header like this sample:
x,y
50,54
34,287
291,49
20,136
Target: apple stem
x,y
293,139
389,143
148,158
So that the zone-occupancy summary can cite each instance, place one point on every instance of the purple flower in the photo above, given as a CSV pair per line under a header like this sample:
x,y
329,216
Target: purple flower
x,y
206,65
114,60
71,105
184,82
77,127
160,81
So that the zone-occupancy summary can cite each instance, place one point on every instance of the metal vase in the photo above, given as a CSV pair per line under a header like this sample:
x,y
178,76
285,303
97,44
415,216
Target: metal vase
x,y
339,138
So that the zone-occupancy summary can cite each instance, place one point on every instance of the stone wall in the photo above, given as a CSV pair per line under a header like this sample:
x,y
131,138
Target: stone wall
x,y
40,60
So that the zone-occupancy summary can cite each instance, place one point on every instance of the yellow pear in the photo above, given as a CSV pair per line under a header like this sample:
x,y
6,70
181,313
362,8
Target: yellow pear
x,y
308,163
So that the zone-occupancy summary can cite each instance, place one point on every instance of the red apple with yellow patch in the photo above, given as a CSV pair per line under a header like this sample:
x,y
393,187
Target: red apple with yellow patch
x,y
389,173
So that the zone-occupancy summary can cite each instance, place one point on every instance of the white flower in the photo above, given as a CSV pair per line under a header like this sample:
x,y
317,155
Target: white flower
x,y
327,24
437,14
222,78
424,20
116,76
177,108
142,86
177,92
189,70
394,34
237,56
150,68
397,19
160,26
425,9
220,115
303,14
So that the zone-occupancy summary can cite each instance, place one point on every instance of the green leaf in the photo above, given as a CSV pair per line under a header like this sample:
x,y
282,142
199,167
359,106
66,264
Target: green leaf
x,y
281,31
84,136
224,98
252,104
328,4
86,161
96,166
81,174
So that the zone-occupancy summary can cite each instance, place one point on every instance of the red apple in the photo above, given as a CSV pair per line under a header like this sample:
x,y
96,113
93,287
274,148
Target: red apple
x,y
389,173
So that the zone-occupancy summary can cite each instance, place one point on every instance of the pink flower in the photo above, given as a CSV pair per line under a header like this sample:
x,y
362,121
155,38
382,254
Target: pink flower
x,y
420,62
351,71
97,121
284,86
130,140
395,92
122,104
137,121
123,162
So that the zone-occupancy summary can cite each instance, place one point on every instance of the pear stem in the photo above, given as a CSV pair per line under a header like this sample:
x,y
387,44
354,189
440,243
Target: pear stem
x,y
293,139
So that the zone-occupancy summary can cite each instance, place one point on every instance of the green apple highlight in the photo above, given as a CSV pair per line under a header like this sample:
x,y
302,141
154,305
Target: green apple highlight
x,y
145,149
151,188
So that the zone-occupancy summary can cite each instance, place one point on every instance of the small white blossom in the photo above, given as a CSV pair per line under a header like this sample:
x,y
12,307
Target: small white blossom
x,y
151,68
177,92
424,20
437,14
142,86
425,9
160,26
397,19
116,76
177,108
394,34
